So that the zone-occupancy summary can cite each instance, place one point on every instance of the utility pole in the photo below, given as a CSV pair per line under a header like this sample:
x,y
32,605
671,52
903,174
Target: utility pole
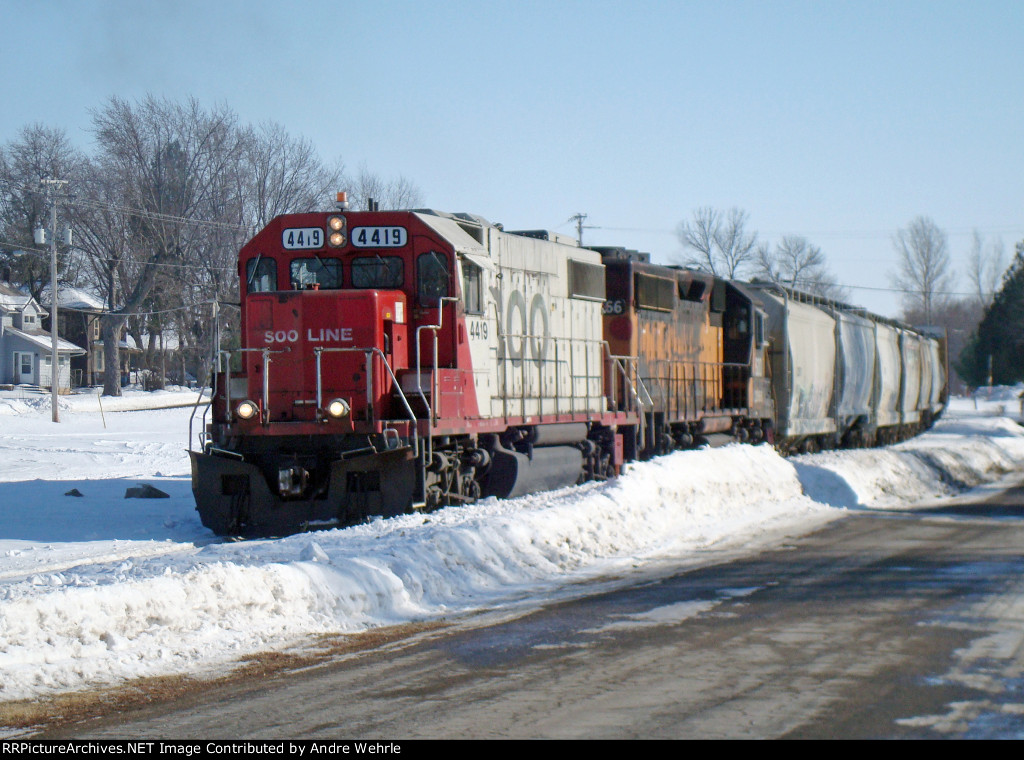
x,y
53,186
579,219
216,364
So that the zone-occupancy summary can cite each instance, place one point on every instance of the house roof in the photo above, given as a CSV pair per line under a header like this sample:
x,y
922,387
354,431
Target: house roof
x,y
42,339
170,341
128,347
13,299
73,298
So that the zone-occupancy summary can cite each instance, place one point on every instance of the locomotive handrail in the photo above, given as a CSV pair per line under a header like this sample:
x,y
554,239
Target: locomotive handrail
x,y
431,407
192,417
694,379
265,400
318,350
634,362
507,358
416,443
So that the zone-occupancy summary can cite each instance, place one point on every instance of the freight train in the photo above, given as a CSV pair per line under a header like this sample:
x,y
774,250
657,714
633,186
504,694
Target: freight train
x,y
393,361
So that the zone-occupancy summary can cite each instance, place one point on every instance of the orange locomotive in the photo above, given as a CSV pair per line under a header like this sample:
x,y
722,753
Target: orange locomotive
x,y
701,347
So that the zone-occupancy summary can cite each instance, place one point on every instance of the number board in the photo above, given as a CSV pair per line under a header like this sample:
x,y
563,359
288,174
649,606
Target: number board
x,y
617,306
379,237
299,238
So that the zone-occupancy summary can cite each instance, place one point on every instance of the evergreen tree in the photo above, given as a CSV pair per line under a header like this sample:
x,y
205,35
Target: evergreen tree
x,y
1000,334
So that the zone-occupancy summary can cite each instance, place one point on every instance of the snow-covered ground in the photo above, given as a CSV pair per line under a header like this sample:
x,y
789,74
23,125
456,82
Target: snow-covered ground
x,y
97,588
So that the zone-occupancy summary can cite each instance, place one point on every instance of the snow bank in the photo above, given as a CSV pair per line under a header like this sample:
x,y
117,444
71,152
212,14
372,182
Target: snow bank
x,y
21,401
959,453
98,589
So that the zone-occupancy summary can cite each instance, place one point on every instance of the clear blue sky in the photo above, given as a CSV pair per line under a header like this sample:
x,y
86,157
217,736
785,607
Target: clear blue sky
x,y
840,121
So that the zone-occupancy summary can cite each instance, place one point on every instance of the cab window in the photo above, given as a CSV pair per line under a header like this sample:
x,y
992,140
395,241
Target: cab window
x,y
316,272
432,276
260,275
472,287
655,293
384,272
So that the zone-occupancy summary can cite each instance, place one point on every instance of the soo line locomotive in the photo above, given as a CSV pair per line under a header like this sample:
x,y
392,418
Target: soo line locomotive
x,y
393,361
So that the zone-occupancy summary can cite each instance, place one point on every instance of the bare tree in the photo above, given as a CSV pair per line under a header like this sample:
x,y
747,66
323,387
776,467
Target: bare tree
x,y
161,208
38,153
986,265
718,243
397,193
173,193
167,168
924,270
798,264
283,174
699,238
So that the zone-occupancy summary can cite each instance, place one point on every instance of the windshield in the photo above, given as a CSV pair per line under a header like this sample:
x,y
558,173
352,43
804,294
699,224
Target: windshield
x,y
261,275
378,272
323,273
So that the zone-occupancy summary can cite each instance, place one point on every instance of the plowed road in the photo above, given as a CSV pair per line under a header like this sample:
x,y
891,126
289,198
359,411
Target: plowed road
x,y
898,624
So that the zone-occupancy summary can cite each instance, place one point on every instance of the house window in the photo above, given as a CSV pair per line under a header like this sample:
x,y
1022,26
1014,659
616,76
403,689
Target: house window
x,y
29,320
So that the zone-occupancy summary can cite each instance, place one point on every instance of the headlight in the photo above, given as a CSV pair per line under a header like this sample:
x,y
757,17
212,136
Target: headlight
x,y
246,410
336,231
337,408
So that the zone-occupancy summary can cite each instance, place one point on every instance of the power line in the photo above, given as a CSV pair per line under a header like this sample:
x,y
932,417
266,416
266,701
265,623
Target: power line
x,y
39,252
154,215
578,218
146,312
158,216
835,234
915,292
